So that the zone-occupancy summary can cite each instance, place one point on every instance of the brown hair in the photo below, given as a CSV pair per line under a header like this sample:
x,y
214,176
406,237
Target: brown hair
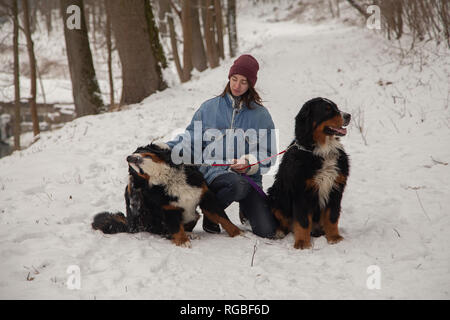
x,y
247,98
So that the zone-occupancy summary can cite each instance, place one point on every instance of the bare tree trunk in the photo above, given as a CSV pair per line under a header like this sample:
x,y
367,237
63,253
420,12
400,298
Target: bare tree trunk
x,y
109,49
399,18
141,71
87,14
231,22
330,6
209,34
17,117
85,89
198,49
186,20
445,20
32,58
164,9
93,13
33,16
48,16
219,27
41,84
173,42
416,21
156,45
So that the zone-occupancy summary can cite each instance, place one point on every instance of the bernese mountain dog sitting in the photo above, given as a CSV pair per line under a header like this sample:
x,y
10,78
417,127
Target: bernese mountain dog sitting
x,y
161,197
307,191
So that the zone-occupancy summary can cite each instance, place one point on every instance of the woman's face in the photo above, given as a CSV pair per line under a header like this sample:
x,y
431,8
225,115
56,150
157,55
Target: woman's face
x,y
238,85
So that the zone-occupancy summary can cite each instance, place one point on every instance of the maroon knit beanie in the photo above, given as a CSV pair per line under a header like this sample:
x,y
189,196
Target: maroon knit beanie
x,y
246,66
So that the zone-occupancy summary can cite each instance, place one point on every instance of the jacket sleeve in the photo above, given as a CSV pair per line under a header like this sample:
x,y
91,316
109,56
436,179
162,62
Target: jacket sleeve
x,y
267,146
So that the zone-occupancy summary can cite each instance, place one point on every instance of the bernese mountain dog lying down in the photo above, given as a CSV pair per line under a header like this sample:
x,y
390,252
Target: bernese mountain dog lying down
x,y
162,198
306,195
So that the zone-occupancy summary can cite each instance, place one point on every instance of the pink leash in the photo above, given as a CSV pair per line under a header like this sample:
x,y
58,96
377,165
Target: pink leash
x,y
251,165
252,183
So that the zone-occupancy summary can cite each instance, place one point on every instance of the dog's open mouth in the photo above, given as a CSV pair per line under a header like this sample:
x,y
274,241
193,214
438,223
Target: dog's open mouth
x,y
336,131
134,162
139,171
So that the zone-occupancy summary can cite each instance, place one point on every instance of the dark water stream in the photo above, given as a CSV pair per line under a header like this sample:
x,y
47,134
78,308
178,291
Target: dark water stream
x,y
5,149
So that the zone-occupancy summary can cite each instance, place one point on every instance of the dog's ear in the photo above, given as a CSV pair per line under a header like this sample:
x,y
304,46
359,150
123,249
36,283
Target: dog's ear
x,y
140,150
303,123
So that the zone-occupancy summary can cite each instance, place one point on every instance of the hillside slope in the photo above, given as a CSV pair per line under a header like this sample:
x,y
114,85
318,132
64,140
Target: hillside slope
x,y
395,209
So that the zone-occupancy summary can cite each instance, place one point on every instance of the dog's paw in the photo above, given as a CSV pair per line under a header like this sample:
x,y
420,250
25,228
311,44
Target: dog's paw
x,y
243,219
236,232
279,234
334,239
184,243
302,244
193,236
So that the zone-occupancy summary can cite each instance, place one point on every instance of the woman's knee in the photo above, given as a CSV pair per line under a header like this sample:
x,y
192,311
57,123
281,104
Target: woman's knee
x,y
239,189
264,229
258,213
233,185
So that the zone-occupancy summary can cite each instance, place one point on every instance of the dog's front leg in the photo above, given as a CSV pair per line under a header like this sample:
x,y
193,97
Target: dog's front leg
x,y
133,203
302,224
173,217
330,218
211,208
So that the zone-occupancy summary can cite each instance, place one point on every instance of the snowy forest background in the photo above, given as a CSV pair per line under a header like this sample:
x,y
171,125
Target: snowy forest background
x,y
108,68
75,102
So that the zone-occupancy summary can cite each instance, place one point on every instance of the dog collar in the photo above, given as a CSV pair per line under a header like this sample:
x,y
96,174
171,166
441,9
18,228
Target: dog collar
x,y
300,147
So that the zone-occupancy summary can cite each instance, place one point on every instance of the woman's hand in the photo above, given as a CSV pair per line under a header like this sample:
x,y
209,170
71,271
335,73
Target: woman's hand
x,y
240,166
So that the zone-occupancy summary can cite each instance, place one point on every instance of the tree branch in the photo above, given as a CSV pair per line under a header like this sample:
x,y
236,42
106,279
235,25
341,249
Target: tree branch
x,y
359,8
175,8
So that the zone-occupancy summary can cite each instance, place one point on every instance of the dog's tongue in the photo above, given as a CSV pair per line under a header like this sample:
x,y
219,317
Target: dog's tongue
x,y
342,131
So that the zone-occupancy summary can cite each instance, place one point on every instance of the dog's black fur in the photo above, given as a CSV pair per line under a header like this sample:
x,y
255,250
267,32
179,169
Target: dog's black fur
x,y
307,191
162,197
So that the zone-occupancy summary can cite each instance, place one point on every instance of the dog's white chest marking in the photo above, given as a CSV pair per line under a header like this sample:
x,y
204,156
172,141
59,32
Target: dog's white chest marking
x,y
188,196
325,178
175,183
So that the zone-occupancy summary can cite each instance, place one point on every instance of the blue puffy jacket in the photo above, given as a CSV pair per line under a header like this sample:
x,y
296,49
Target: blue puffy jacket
x,y
237,133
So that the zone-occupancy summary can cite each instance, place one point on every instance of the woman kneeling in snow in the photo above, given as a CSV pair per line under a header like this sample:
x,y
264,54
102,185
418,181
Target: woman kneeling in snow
x,y
237,112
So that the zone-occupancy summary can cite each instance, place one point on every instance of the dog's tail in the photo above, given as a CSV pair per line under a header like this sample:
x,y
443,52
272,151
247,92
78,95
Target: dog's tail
x,y
110,222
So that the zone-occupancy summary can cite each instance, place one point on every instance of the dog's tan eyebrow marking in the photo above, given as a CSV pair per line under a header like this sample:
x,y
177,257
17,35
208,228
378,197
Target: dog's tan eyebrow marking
x,y
153,156
336,121
147,154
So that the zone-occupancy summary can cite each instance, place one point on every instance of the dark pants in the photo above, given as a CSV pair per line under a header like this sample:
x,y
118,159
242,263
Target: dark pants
x,y
230,187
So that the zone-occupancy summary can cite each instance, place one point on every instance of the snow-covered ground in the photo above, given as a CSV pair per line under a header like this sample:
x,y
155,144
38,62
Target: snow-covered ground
x,y
395,209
